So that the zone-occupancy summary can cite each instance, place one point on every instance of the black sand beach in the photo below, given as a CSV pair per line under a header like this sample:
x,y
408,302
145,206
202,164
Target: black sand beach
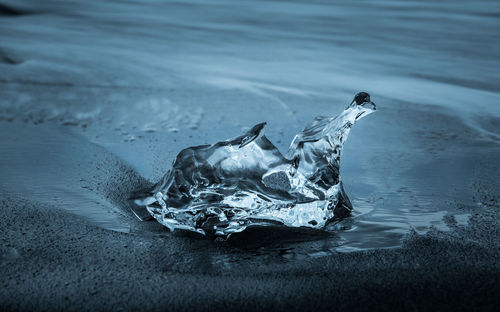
x,y
97,98
54,261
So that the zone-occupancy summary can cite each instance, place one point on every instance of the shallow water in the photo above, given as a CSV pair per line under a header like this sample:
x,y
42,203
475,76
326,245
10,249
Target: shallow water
x,y
90,88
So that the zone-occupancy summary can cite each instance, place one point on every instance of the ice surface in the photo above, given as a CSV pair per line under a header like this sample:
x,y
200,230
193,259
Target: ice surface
x,y
222,188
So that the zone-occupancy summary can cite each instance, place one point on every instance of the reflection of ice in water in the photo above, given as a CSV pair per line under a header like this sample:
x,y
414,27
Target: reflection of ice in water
x,y
222,188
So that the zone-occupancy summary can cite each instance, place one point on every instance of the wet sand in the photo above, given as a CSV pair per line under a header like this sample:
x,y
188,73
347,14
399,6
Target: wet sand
x,y
96,99
51,260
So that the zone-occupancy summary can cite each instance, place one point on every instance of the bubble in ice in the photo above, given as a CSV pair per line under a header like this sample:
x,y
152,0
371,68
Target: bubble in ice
x,y
225,187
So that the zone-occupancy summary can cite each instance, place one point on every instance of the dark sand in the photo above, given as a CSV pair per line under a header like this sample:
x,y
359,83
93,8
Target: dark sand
x,y
53,261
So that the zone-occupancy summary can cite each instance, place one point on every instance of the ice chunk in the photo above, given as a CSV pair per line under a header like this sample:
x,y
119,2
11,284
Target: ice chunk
x,y
222,188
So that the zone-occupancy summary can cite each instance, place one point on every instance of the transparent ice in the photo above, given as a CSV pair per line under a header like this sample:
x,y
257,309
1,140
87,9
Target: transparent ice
x,y
223,188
